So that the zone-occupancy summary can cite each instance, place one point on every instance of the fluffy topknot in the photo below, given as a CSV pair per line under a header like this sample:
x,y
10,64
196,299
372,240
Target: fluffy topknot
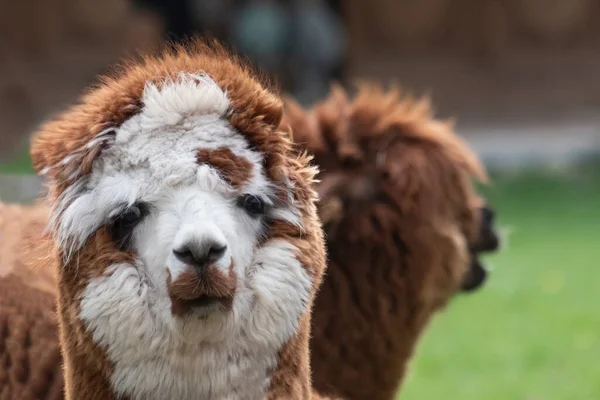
x,y
64,148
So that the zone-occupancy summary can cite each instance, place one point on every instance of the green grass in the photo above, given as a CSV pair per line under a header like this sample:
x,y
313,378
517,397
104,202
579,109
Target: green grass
x,y
533,333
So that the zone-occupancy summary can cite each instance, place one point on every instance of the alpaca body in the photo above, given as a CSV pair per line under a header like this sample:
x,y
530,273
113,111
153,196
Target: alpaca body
x,y
30,358
21,226
29,351
403,225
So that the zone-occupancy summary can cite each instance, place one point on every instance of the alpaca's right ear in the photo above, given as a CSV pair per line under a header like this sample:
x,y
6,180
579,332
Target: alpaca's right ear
x,y
64,149
46,148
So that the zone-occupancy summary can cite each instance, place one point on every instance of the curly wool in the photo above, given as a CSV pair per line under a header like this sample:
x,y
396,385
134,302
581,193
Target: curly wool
x,y
29,351
30,356
400,212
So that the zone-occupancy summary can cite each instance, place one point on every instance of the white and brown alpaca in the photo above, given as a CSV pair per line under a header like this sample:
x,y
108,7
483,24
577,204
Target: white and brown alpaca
x,y
403,227
185,236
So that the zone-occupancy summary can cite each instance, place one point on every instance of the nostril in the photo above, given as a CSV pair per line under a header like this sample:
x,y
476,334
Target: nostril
x,y
216,251
488,215
185,255
200,255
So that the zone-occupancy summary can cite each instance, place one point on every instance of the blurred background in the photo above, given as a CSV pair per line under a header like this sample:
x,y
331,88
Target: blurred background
x,y
520,77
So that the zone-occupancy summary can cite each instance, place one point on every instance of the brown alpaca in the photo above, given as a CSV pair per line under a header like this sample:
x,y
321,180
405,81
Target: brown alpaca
x,y
29,352
184,235
21,226
403,226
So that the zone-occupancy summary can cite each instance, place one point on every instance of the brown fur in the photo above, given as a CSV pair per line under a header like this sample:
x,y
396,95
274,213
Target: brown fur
x,y
191,286
21,227
400,212
234,169
256,112
29,352
86,365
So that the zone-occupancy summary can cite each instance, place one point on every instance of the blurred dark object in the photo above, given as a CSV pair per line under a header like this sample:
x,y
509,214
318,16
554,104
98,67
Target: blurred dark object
x,y
261,30
176,15
317,51
300,42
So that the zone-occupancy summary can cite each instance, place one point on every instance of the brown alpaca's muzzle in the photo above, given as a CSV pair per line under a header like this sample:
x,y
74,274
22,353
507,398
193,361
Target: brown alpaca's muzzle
x,y
487,242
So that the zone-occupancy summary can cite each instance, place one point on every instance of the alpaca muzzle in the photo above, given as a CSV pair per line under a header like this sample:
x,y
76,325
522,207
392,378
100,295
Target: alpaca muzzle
x,y
202,289
488,241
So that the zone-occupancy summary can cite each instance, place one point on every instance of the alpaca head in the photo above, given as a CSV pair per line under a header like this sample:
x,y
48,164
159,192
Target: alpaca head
x,y
184,225
404,181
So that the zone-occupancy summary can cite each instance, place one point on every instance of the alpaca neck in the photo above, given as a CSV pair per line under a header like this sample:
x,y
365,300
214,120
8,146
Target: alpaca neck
x,y
374,300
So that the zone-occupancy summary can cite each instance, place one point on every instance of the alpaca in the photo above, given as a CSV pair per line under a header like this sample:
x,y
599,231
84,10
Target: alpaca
x,y
403,225
20,227
29,351
183,233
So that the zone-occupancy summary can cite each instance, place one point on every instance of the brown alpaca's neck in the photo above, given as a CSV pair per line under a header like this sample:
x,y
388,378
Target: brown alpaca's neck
x,y
367,320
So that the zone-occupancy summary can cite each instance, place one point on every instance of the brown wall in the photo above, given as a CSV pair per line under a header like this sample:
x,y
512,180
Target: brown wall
x,y
483,59
51,49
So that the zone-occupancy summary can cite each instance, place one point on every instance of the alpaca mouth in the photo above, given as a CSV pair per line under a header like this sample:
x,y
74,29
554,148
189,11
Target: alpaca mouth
x,y
194,292
200,306
206,301
488,242
475,277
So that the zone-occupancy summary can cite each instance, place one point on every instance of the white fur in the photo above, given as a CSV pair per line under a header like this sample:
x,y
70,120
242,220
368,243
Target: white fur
x,y
225,355
170,103
167,152
214,354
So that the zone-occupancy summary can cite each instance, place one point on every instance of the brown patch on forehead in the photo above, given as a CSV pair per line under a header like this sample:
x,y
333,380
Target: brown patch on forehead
x,y
192,286
255,109
61,148
235,170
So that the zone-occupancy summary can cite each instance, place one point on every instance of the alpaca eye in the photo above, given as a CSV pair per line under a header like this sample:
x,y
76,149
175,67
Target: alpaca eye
x,y
122,226
252,204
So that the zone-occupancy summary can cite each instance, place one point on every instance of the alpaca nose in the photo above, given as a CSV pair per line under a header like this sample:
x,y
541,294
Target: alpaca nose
x,y
488,216
200,254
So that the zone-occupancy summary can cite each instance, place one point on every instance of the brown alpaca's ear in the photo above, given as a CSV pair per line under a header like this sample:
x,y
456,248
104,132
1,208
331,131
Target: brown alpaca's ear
x,y
64,149
294,116
303,125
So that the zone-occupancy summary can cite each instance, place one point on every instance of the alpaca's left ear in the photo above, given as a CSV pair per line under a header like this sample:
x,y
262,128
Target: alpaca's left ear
x,y
64,149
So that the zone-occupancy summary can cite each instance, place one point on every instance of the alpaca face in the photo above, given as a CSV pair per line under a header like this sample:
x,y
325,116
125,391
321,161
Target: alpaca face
x,y
486,241
392,193
396,177
206,293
